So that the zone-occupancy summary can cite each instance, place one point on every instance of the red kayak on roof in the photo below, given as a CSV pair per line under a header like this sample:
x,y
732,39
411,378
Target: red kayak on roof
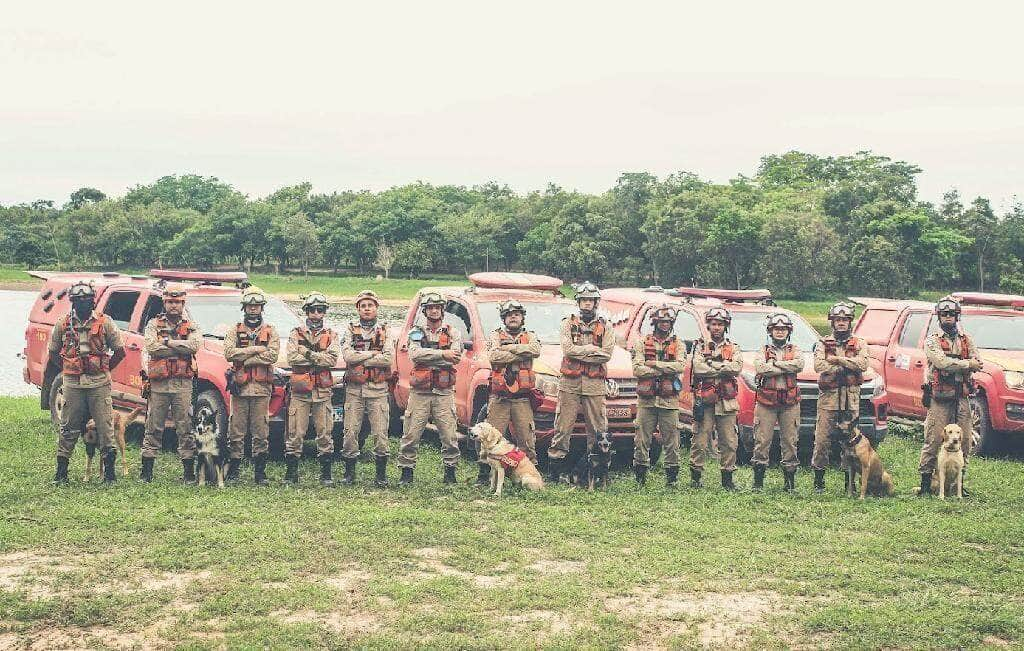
x,y
996,300
200,276
509,280
729,295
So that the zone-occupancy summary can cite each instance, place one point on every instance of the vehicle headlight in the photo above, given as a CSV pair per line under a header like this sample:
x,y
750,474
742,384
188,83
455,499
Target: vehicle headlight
x,y
1014,379
548,384
749,379
879,387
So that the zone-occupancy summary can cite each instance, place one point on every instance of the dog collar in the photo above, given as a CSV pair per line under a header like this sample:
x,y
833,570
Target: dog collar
x,y
855,440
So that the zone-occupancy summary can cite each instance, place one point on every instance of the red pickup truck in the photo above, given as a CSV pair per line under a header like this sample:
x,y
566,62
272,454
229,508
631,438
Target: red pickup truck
x,y
896,332
131,301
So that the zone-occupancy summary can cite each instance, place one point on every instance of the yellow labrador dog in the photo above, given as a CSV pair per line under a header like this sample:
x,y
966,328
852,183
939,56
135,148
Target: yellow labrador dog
x,y
949,470
503,457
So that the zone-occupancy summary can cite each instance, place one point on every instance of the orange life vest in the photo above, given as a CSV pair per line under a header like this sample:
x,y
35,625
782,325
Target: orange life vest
x,y
515,378
306,378
664,386
262,373
75,364
573,368
846,378
426,378
179,366
947,386
360,373
713,390
779,390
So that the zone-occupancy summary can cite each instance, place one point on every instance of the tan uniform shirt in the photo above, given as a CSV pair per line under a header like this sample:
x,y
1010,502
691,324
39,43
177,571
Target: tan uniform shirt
x,y
155,349
253,356
778,366
111,336
584,350
717,369
370,359
500,354
302,357
829,398
433,357
668,367
938,360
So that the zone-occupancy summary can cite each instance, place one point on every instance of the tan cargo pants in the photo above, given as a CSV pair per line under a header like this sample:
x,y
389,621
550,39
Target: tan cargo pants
x,y
179,404
765,420
823,427
595,415
666,421
79,406
939,415
502,410
378,412
422,408
300,414
249,415
728,440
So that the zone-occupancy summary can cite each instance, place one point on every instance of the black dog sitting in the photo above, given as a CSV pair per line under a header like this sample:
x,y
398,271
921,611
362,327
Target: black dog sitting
x,y
592,469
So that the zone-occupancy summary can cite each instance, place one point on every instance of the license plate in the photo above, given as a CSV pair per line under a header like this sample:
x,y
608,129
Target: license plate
x,y
619,412
339,414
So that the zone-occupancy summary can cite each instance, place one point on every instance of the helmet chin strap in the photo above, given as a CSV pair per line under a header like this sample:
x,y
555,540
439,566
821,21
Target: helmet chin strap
x,y
314,324
251,320
588,315
949,328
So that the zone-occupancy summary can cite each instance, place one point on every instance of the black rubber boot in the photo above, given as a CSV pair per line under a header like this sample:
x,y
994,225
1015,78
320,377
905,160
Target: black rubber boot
x,y
291,473
233,466
349,477
326,480
789,476
110,458
695,481
554,471
819,481
671,475
759,477
382,472
406,478
963,482
926,485
147,469
188,472
60,478
449,474
640,472
483,476
259,472
727,480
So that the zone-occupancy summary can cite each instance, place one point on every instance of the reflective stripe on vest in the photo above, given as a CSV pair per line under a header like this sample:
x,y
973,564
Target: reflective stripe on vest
x,y
360,373
262,373
848,378
426,378
95,361
180,365
573,368
517,377
306,378
711,391
664,386
779,390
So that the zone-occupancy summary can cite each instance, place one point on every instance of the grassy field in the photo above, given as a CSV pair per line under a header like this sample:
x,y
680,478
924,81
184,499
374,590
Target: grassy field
x,y
163,565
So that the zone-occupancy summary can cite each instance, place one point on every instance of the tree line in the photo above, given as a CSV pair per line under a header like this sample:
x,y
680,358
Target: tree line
x,y
803,225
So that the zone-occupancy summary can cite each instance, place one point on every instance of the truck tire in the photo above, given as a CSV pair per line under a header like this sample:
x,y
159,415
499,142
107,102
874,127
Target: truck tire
x,y
985,437
210,408
56,401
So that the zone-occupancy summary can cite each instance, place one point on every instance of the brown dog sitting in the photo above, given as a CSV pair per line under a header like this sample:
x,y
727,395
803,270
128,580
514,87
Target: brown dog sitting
x,y
120,425
949,468
864,461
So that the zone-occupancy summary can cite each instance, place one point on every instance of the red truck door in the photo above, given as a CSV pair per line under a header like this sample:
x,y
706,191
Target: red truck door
x,y
905,364
121,305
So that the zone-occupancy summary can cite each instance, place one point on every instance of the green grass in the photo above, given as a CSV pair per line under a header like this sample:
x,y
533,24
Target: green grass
x,y
453,567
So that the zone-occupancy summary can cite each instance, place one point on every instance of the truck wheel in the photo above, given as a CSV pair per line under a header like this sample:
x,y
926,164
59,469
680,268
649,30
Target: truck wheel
x,y
56,401
210,409
984,437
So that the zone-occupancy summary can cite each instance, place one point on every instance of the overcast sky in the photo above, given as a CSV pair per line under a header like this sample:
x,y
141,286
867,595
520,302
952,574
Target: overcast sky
x,y
369,95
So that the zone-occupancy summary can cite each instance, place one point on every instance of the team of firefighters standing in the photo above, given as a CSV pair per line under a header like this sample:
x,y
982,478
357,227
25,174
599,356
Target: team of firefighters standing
x,y
85,345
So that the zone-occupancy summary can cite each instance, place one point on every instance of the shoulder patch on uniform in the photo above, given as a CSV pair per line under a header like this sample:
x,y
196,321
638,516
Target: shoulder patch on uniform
x,y
415,334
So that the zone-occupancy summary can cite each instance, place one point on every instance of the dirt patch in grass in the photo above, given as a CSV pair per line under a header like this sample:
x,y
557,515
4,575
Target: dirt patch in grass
x,y
74,637
431,564
715,619
992,640
343,621
33,573
539,622
554,566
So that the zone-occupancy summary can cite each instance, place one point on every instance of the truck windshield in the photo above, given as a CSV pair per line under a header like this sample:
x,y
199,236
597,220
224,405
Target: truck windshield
x,y
543,318
748,331
218,314
992,331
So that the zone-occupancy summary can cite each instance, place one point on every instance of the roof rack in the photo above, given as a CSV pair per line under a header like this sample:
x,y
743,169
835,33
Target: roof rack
x,y
200,277
509,280
994,300
761,296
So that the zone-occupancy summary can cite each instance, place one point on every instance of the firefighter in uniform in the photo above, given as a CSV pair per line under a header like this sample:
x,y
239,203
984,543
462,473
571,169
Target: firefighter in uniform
x,y
252,347
717,362
171,343
84,346
511,350
952,358
587,345
312,352
434,349
778,399
367,352
657,365
840,361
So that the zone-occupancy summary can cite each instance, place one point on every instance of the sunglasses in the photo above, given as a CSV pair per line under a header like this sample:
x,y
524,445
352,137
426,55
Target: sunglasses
x,y
318,310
